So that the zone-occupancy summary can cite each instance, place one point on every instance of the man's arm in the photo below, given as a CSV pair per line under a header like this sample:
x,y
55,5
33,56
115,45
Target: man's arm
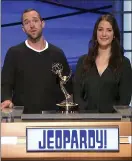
x,y
7,79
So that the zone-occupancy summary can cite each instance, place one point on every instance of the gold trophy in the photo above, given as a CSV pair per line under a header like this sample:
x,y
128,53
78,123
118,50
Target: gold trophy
x,y
67,106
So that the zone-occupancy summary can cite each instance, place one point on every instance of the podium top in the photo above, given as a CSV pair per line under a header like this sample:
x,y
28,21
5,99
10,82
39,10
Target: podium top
x,y
122,111
75,116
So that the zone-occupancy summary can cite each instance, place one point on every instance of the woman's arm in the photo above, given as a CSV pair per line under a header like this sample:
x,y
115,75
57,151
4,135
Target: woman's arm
x,y
78,85
125,85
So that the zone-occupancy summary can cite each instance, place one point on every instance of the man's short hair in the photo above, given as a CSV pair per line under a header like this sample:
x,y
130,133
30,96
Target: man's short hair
x,y
29,10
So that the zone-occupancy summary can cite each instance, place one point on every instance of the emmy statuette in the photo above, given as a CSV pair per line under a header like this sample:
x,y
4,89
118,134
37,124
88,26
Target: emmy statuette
x,y
67,106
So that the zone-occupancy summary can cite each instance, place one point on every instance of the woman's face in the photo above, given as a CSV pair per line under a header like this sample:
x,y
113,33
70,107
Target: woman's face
x,y
105,34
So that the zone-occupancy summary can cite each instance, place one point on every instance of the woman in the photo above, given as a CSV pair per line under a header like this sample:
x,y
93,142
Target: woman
x,y
103,77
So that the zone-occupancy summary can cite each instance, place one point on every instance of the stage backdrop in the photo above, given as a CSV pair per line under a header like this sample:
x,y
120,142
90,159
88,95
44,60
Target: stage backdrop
x,y
69,24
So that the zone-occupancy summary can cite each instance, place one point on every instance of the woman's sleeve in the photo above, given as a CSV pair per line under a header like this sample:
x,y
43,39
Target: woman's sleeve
x,y
125,85
77,84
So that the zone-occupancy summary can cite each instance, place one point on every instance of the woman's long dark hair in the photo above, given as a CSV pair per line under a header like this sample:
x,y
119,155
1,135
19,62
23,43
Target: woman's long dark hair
x,y
116,50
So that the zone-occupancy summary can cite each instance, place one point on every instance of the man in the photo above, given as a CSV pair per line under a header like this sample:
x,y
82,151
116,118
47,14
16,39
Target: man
x,y
27,77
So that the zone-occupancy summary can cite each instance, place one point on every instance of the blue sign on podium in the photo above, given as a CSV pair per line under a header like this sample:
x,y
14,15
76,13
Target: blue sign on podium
x,y
72,139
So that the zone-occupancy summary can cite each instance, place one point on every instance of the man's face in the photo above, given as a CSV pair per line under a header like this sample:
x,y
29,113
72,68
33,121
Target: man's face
x,y
32,25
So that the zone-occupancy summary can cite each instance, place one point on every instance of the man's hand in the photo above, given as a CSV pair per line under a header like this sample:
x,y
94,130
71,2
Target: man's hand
x,y
6,104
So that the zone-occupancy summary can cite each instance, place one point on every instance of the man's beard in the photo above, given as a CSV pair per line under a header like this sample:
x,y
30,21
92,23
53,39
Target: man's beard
x,y
35,39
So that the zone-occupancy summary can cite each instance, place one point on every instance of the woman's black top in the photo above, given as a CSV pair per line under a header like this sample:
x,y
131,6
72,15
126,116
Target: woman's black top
x,y
100,93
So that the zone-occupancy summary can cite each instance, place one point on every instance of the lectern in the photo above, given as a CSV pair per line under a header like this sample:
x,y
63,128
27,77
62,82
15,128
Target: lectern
x,y
79,136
